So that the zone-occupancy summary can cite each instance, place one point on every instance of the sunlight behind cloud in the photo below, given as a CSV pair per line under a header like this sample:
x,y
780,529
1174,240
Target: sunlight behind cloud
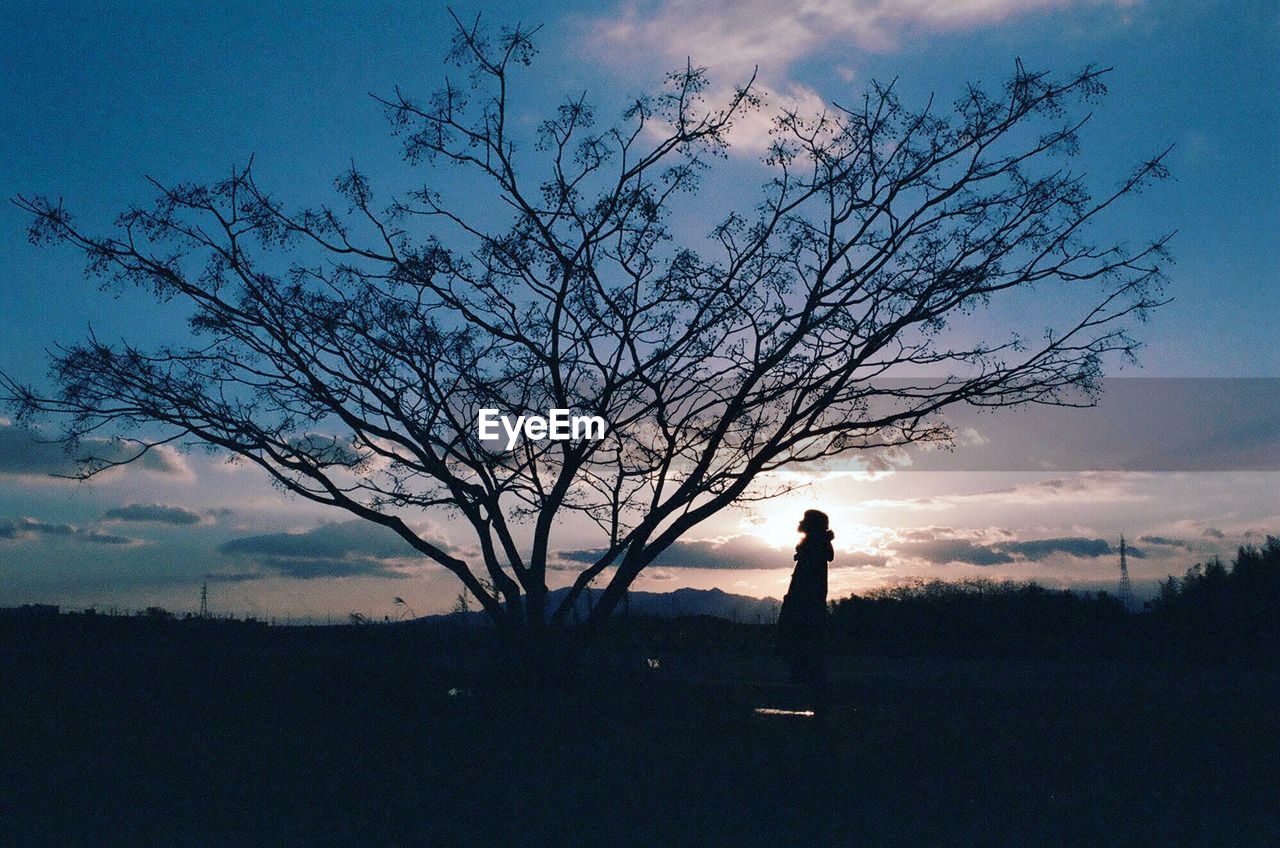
x,y
774,523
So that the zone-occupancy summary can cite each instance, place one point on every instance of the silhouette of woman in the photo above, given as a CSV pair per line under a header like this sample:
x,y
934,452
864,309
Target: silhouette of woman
x,y
802,621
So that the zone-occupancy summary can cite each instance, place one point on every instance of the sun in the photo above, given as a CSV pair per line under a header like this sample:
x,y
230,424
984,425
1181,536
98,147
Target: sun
x,y
776,528
774,523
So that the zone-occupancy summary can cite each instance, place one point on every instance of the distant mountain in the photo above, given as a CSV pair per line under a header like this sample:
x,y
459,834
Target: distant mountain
x,y
712,602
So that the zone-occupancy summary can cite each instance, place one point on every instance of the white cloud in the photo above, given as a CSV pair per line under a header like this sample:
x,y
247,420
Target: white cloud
x,y
733,38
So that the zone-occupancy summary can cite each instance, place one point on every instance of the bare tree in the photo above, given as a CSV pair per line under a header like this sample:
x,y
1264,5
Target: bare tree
x,y
347,351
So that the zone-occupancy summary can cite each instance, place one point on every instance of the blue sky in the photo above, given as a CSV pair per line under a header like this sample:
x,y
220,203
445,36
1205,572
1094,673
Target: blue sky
x,y
98,96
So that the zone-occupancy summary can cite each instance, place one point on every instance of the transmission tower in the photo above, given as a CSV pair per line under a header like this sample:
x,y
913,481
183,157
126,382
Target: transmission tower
x,y
204,600
1126,589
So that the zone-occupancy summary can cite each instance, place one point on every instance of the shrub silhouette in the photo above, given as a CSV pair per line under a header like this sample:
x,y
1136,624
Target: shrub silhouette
x,y
979,616
1215,613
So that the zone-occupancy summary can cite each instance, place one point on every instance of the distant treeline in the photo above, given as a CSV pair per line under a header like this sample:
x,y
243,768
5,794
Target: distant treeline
x,y
1215,612
1224,613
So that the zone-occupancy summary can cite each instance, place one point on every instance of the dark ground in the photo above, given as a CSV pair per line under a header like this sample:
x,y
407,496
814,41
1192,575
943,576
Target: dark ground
x,y
196,733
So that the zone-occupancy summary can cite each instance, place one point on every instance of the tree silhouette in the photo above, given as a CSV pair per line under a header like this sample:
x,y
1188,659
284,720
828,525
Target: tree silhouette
x,y
1227,615
347,351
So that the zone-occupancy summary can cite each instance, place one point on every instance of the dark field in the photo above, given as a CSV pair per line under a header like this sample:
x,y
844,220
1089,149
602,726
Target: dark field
x,y
132,732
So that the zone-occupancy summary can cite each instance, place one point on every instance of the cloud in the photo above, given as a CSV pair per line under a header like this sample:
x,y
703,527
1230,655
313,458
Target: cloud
x,y
312,568
942,551
856,559
234,576
153,513
343,549
1241,433
1213,533
28,453
731,552
328,540
1090,487
753,130
25,529
1085,488
929,534
944,545
737,35
1165,542
734,39
1077,546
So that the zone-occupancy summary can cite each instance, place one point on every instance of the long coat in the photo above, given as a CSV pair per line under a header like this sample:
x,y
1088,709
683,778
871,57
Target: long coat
x,y
804,609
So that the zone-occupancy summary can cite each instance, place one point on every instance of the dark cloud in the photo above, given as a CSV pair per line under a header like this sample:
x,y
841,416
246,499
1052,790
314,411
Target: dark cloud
x,y
346,549
944,548
233,576
932,544
153,513
328,540
30,528
1165,542
585,555
27,452
735,552
313,568
1078,546
1213,533
954,550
